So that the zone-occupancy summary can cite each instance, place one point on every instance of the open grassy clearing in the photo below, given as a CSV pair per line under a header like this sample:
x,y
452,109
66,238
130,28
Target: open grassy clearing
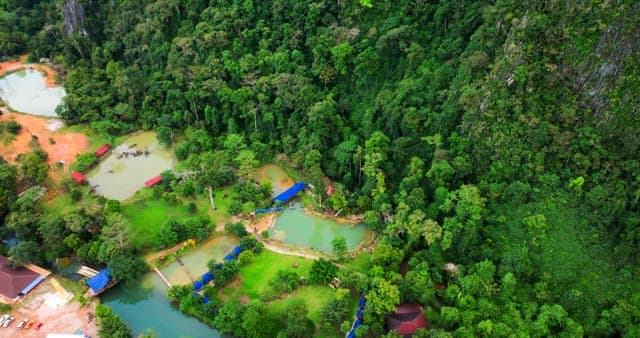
x,y
360,263
315,296
255,276
147,217
95,140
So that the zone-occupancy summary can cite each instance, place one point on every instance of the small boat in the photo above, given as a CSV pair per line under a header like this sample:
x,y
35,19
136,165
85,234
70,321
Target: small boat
x,y
29,324
22,323
133,146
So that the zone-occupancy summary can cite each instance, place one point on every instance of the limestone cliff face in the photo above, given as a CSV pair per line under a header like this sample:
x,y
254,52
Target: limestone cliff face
x,y
596,77
74,18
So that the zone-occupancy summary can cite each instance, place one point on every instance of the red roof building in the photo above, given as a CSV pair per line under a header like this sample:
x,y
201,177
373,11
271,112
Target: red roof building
x,y
330,189
408,318
78,177
150,183
13,281
103,150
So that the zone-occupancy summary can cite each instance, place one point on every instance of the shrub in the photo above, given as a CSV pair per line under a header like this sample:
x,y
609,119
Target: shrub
x,y
13,127
235,207
322,271
76,195
226,274
192,208
84,162
236,229
284,281
250,243
112,206
5,308
245,257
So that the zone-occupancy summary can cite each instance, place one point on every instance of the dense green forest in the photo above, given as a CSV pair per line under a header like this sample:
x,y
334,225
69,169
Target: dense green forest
x,y
500,136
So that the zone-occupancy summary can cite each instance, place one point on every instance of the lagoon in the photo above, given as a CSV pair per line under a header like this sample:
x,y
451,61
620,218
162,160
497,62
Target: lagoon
x,y
144,305
295,227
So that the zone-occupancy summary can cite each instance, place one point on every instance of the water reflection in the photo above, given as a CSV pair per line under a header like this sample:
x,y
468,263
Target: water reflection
x,y
26,91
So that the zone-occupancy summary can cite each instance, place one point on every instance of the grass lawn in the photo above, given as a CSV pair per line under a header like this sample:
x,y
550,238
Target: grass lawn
x,y
72,286
361,263
315,296
254,276
148,215
95,140
62,202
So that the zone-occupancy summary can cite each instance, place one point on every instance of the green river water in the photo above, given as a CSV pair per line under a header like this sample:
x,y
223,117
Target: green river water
x,y
295,227
26,91
145,305
120,178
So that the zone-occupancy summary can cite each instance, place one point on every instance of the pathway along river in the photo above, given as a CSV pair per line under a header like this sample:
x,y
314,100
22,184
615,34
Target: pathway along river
x,y
144,305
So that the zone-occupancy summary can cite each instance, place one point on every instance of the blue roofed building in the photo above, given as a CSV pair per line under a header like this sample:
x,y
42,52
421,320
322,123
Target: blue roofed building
x,y
99,283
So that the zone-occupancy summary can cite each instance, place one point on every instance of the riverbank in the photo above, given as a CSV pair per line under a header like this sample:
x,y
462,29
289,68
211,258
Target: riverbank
x,y
11,66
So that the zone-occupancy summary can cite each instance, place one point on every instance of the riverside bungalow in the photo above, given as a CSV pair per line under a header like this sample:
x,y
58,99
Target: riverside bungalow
x,y
99,283
150,183
78,177
103,150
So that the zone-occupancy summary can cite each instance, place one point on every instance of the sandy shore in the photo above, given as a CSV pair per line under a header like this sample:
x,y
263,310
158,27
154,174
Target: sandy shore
x,y
14,65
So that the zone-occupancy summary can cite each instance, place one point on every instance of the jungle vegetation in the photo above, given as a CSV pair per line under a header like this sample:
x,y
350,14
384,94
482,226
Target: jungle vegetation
x,y
499,136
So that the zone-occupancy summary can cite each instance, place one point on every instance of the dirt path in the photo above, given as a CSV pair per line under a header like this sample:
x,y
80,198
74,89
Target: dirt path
x,y
17,64
155,255
66,318
289,252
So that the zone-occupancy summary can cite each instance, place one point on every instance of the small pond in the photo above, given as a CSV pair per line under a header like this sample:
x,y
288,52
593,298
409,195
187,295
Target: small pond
x,y
26,91
119,176
294,226
279,179
144,305
193,264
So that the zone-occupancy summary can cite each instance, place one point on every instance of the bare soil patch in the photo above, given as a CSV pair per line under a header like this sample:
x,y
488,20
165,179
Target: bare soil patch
x,y
66,145
67,318
17,64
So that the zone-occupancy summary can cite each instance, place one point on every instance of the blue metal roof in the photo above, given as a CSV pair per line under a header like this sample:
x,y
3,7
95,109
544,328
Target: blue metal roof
x,y
290,193
360,314
219,266
352,334
357,324
229,257
198,285
207,277
32,285
99,281
206,300
362,302
236,251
